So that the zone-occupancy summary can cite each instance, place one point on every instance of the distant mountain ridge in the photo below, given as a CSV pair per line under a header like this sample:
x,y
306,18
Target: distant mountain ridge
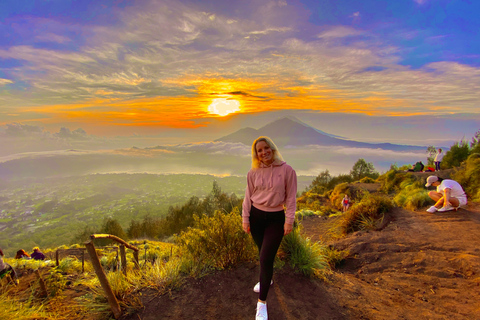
x,y
291,131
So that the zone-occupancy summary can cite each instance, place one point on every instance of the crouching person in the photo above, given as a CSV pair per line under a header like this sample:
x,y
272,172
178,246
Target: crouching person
x,y
449,195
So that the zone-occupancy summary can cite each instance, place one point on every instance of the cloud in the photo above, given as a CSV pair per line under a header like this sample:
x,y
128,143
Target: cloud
x,y
159,55
4,82
211,147
340,32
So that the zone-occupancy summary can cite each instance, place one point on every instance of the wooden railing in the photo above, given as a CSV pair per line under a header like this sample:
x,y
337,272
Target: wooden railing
x,y
112,300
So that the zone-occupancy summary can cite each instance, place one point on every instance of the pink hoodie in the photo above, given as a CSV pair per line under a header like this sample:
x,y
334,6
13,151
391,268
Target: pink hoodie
x,y
269,188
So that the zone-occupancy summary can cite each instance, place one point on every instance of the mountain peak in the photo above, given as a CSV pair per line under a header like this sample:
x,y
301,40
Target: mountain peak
x,y
291,131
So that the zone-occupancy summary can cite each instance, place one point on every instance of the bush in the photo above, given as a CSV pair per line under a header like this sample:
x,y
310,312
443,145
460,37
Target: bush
x,y
391,180
454,157
303,255
217,242
338,193
360,215
412,195
367,180
468,175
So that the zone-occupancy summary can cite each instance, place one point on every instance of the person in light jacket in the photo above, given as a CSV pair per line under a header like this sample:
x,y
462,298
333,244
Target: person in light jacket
x,y
271,186
438,159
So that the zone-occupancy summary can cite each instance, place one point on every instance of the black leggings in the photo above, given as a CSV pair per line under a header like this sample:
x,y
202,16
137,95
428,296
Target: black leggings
x,y
267,232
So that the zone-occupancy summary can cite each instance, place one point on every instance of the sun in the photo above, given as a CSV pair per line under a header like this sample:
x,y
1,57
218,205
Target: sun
x,y
223,106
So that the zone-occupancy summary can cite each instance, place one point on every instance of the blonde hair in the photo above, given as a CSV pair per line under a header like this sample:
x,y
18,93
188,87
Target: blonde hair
x,y
271,144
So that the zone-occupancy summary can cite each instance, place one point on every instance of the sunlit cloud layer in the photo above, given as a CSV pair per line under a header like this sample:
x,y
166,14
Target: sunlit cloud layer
x,y
162,63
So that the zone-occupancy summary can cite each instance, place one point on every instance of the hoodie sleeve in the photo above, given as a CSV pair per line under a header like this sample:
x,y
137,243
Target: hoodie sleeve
x,y
290,195
247,202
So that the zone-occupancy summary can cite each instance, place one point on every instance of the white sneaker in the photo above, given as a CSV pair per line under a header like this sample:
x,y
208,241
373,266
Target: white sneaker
x,y
446,208
257,286
432,209
262,313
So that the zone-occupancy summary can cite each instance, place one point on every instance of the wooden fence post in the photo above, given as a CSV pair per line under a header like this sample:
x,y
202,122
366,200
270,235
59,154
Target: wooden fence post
x,y
135,259
112,300
123,257
83,261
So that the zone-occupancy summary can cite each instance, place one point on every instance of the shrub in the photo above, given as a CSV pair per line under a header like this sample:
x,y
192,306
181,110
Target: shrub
x,y
468,175
391,180
303,255
165,275
334,257
367,180
454,157
218,242
412,195
338,193
370,207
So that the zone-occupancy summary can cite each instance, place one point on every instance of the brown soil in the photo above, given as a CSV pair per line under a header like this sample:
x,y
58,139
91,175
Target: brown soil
x,y
419,266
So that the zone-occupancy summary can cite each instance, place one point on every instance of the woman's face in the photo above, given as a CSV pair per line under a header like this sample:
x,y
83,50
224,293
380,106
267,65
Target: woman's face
x,y
264,152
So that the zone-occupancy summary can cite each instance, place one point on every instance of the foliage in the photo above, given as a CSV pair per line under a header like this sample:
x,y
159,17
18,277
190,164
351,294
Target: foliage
x,y
304,255
338,193
23,310
468,175
454,157
324,182
55,282
362,169
475,143
371,206
218,242
412,195
180,218
333,256
391,180
431,153
367,180
165,275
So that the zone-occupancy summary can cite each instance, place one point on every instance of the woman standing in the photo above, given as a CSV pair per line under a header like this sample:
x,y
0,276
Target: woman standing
x,y
345,203
271,185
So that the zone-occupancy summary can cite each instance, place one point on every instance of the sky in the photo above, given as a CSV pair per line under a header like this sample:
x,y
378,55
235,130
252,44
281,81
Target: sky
x,y
115,68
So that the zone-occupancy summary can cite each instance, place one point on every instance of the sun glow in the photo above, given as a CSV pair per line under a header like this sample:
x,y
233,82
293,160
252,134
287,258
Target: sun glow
x,y
223,106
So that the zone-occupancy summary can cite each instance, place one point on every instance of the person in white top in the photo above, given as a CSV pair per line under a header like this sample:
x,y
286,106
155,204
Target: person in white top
x,y
448,196
438,159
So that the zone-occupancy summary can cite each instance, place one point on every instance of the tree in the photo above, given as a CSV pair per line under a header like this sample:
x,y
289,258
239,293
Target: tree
x,y
475,144
362,169
458,153
111,226
431,153
135,231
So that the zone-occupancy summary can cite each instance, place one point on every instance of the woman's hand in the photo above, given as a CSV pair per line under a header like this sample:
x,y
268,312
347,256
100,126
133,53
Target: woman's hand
x,y
246,227
287,228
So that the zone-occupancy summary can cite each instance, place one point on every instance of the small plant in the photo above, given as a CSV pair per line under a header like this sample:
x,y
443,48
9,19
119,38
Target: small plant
x,y
304,255
334,257
165,276
55,282
360,214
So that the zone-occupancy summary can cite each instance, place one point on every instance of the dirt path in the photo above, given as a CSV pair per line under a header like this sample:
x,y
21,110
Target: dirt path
x,y
420,266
